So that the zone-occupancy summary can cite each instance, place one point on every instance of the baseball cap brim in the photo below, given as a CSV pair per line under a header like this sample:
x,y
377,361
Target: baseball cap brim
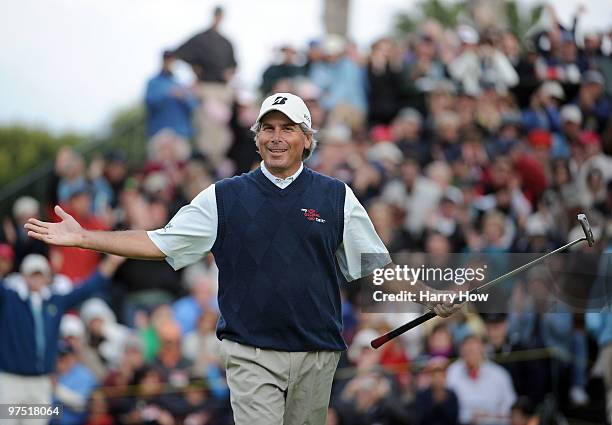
x,y
289,115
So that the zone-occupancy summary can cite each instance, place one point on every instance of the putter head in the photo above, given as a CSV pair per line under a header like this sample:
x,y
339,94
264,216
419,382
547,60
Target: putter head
x,y
586,228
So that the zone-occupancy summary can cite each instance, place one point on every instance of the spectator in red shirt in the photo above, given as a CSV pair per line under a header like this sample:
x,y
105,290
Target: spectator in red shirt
x,y
73,262
7,257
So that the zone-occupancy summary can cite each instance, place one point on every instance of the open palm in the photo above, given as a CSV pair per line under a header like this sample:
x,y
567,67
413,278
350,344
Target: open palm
x,y
67,232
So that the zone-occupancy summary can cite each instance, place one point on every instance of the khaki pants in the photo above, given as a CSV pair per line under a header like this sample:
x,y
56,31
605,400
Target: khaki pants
x,y
277,387
211,120
17,389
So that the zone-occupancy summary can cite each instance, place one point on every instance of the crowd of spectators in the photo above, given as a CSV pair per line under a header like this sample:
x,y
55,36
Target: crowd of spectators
x,y
454,139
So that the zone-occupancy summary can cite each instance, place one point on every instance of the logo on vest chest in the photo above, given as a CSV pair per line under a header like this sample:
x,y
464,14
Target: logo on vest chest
x,y
312,215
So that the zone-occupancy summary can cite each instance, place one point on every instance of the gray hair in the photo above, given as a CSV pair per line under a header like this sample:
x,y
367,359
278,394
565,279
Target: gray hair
x,y
305,129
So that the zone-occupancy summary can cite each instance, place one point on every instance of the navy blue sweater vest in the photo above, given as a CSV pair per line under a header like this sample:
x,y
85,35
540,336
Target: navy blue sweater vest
x,y
279,281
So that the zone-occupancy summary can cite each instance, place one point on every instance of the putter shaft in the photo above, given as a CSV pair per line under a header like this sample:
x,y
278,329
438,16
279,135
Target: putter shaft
x,y
377,342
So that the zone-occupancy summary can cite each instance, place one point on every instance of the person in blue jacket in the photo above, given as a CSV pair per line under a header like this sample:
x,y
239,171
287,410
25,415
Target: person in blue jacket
x,y
30,315
169,104
75,383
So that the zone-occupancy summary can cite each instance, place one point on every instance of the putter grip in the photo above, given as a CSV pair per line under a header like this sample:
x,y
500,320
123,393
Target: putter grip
x,y
404,328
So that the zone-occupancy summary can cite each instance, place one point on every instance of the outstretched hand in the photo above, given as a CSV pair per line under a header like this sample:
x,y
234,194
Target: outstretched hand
x,y
67,232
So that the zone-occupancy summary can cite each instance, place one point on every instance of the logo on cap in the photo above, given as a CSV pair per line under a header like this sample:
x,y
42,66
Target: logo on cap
x,y
280,100
287,103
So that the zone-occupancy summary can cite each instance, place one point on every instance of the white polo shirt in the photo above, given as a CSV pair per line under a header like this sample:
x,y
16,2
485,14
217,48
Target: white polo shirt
x,y
192,232
491,393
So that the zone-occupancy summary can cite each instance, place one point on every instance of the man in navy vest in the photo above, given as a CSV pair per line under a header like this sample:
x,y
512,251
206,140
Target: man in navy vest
x,y
281,235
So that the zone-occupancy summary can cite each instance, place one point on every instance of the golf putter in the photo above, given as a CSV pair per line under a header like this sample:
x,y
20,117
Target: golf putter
x,y
588,237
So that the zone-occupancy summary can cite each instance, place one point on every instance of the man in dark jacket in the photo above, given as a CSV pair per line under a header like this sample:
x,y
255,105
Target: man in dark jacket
x,y
211,56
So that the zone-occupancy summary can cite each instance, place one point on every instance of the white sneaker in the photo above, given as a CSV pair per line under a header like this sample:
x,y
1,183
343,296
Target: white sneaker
x,y
578,396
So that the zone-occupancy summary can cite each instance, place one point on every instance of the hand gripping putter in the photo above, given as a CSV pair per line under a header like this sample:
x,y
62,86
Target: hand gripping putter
x,y
588,237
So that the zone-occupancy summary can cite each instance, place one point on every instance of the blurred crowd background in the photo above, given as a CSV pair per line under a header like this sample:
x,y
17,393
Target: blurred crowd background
x,y
459,139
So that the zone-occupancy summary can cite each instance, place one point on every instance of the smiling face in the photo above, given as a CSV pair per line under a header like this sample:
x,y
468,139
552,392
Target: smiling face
x,y
281,144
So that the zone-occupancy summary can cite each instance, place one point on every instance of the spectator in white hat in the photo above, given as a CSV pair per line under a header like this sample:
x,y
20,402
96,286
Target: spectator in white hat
x,y
478,60
13,233
72,330
105,335
30,314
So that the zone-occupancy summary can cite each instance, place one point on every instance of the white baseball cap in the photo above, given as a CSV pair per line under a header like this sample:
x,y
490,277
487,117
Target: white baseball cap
x,y
571,113
26,206
361,340
336,134
289,104
385,151
35,263
536,226
553,89
467,34
72,325
334,44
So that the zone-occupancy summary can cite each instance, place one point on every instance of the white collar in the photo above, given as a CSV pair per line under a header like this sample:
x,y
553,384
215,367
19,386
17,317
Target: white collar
x,y
16,282
282,183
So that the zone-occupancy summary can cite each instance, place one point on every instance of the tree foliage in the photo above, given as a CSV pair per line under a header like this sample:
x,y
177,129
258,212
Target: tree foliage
x,y
22,149
519,17
127,132
27,154
444,11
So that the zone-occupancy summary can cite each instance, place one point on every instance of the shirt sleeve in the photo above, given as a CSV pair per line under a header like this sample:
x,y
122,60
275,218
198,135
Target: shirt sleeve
x,y
359,238
191,233
85,290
